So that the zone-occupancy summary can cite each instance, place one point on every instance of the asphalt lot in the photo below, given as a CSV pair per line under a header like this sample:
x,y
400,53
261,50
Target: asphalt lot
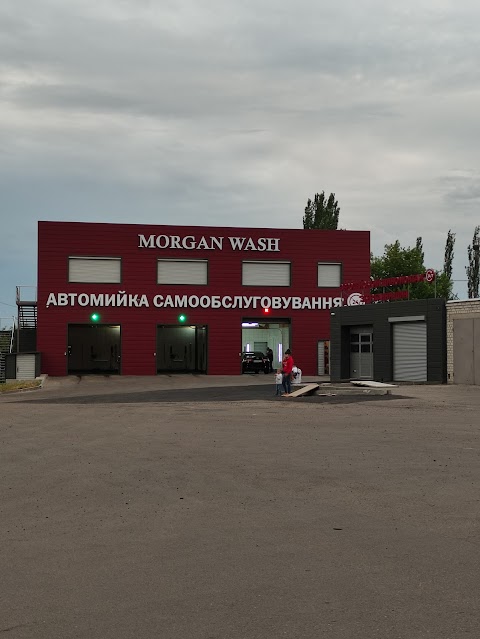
x,y
206,507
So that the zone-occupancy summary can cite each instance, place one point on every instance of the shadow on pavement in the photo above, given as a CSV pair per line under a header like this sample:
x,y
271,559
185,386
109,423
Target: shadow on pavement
x,y
217,394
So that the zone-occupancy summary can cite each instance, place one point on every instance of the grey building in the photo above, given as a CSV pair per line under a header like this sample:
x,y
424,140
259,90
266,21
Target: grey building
x,y
389,342
463,341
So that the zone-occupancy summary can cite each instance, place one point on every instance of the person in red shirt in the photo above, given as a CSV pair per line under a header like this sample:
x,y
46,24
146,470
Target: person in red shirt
x,y
287,365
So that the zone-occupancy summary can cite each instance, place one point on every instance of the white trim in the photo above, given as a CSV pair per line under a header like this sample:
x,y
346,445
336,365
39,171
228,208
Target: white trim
x,y
409,318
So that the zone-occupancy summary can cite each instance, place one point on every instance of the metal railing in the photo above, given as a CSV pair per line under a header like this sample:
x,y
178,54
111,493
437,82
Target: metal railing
x,y
26,294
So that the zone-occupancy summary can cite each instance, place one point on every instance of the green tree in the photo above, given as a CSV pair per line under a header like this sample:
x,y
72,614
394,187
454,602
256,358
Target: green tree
x,y
321,213
448,260
398,260
473,264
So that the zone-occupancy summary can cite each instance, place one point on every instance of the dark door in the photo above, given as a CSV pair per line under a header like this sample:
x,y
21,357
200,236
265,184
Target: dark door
x,y
93,349
182,349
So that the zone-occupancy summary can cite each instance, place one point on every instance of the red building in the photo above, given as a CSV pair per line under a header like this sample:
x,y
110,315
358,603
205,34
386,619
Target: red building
x,y
139,299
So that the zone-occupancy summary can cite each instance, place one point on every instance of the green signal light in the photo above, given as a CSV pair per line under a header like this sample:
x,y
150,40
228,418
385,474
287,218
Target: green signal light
x,y
95,317
182,319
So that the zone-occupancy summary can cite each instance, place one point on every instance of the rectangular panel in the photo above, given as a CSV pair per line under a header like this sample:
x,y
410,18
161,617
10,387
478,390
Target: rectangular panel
x,y
329,275
26,366
97,270
182,272
476,351
266,273
463,351
321,358
410,352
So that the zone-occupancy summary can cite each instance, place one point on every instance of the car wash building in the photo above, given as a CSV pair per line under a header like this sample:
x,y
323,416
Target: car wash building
x,y
138,299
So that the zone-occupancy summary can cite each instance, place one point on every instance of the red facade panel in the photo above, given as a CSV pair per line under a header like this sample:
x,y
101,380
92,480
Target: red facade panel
x,y
57,241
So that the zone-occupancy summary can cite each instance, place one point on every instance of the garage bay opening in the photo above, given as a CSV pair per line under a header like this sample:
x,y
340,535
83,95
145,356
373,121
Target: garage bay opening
x,y
257,335
182,349
93,348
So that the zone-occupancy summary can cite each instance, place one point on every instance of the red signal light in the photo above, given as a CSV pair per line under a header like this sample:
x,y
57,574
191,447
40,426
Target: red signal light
x,y
266,310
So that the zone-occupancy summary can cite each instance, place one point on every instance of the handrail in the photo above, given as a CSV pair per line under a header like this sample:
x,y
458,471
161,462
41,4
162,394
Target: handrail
x,y
21,296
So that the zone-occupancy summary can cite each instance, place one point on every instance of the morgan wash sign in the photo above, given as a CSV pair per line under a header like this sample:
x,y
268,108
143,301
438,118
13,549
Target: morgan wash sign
x,y
366,286
192,242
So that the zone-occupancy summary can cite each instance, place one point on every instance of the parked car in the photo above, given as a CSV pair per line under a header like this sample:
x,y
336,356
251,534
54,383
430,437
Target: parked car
x,y
255,362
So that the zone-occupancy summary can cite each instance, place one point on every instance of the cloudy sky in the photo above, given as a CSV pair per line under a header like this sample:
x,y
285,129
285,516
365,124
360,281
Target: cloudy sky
x,y
230,113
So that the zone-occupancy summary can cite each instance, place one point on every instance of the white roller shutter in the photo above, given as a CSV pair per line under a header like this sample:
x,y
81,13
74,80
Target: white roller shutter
x,y
266,273
410,352
98,270
329,275
25,366
182,272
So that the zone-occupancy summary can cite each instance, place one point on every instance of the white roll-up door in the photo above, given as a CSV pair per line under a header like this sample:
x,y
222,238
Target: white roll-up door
x,y
25,366
266,273
98,270
182,272
410,352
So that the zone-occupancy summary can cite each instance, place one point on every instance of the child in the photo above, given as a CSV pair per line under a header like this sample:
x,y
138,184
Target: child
x,y
278,381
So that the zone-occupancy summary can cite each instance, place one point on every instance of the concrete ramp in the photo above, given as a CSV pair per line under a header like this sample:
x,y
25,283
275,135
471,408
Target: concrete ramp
x,y
304,390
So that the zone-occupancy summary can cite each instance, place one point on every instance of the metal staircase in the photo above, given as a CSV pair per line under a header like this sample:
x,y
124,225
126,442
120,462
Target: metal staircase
x,y
27,306
7,332
27,319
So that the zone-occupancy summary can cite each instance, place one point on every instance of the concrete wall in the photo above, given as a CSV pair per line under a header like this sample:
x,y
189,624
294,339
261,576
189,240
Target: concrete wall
x,y
461,309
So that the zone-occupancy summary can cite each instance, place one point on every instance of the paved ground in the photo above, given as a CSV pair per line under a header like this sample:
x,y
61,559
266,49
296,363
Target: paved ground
x,y
205,507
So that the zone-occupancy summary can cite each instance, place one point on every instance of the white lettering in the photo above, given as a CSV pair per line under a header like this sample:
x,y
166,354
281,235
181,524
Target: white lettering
x,y
296,302
188,242
202,244
237,243
96,300
227,301
182,301
144,243
193,301
306,303
51,300
160,239
158,301
205,301
122,298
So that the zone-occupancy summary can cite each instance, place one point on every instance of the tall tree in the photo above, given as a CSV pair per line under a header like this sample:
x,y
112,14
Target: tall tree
x,y
448,260
321,213
473,264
